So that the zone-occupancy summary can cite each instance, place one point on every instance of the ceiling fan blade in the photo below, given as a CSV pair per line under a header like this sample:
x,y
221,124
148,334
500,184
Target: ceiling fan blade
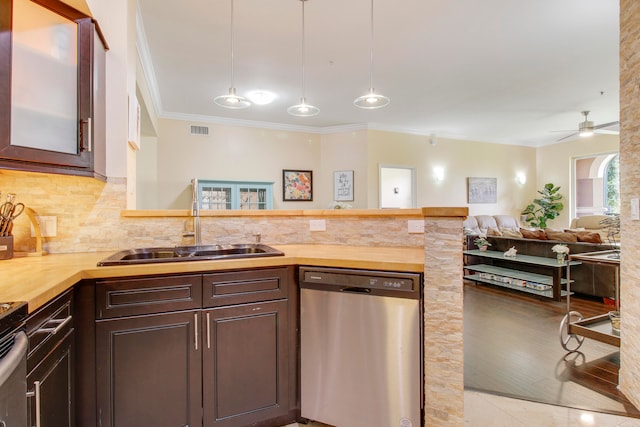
x,y
606,125
607,132
567,137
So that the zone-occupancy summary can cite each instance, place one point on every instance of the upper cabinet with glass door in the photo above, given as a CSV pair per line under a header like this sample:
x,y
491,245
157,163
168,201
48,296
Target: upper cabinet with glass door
x,y
224,195
52,91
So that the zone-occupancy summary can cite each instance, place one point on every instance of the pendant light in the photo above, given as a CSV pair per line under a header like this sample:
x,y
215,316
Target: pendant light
x,y
371,100
231,100
303,109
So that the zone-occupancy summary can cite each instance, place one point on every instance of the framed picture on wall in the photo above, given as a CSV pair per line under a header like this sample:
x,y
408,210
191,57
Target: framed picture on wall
x,y
483,190
297,185
343,186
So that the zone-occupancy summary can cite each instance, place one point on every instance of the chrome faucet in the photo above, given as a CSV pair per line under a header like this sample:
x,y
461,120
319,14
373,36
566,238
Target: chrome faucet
x,y
195,212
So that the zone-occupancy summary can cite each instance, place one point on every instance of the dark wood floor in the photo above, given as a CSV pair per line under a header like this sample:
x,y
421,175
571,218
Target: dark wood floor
x,y
512,348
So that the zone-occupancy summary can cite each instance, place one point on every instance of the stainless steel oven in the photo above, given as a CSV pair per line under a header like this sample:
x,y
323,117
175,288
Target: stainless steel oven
x,y
13,365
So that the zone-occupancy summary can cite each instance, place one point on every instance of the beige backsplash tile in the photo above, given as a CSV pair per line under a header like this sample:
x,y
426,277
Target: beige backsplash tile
x,y
89,220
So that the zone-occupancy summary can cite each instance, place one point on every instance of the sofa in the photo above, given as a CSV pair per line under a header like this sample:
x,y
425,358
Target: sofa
x,y
587,279
594,223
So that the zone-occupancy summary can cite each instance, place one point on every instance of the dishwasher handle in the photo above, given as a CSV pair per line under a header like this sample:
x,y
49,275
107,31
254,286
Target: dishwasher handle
x,y
356,290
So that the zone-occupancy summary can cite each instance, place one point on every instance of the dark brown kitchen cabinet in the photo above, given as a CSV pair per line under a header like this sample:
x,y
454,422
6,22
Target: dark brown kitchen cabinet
x,y
211,349
149,371
52,89
245,364
50,365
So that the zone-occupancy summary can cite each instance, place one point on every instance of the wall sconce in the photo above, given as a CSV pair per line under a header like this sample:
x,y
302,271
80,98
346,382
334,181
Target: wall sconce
x,y
521,178
438,173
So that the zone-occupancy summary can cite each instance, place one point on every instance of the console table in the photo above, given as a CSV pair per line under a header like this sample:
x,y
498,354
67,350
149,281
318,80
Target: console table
x,y
509,276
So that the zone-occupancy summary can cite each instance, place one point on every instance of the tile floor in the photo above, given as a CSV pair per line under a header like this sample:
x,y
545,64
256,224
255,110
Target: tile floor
x,y
487,410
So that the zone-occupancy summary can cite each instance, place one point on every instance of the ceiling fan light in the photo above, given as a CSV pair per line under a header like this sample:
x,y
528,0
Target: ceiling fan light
x,y
371,101
303,109
585,128
231,100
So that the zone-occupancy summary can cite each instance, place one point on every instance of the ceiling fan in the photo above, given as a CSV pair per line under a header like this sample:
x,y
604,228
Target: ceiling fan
x,y
587,128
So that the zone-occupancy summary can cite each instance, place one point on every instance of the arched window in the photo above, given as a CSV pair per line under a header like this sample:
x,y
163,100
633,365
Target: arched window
x,y
612,185
597,185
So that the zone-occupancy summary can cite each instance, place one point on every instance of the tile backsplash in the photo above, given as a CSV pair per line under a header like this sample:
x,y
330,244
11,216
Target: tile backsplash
x,y
88,213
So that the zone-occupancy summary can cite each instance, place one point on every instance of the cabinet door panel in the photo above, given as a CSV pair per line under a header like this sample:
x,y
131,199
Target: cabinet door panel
x,y
149,371
246,377
55,377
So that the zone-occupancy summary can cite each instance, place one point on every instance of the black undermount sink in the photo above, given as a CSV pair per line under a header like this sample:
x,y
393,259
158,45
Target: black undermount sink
x,y
189,253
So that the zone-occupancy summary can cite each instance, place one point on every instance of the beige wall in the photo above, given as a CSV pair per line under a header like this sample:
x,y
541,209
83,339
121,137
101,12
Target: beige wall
x,y
228,153
460,159
238,153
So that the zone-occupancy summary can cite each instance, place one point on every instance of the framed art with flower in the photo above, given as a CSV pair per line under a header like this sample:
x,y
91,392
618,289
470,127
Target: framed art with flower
x,y
297,185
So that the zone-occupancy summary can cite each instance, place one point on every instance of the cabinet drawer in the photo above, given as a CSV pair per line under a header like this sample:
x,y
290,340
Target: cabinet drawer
x,y
47,327
128,297
238,287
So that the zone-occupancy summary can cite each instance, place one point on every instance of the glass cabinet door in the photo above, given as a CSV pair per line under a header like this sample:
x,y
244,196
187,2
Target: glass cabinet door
x,y
222,195
214,197
44,105
253,198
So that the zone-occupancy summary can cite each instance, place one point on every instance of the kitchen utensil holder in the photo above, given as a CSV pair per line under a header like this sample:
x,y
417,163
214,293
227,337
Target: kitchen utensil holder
x,y
6,247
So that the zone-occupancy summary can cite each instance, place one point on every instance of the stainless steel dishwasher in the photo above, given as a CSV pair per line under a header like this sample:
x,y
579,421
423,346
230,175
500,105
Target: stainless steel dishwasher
x,y
361,347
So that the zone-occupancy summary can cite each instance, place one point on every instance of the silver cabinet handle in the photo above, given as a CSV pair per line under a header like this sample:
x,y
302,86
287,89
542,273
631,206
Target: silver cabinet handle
x,y
90,132
36,394
195,344
208,330
61,323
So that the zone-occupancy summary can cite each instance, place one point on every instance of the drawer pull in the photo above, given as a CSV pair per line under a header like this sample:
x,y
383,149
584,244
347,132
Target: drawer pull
x,y
61,323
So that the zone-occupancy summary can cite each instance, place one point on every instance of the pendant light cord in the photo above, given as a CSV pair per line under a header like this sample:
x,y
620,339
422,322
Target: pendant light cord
x,y
232,45
371,51
302,56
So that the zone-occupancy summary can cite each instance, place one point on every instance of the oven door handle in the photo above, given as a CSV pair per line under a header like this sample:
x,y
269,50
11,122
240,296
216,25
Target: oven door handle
x,y
10,362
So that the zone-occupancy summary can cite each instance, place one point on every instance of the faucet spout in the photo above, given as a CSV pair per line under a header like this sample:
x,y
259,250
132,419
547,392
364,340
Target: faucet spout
x,y
195,212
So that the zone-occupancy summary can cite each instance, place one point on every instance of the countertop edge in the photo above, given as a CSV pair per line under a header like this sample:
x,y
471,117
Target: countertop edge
x,y
45,279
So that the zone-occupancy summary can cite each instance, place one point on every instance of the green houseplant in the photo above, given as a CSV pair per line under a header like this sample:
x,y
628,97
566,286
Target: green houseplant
x,y
482,243
544,208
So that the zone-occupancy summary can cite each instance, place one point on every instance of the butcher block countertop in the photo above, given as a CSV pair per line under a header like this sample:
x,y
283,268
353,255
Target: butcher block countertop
x,y
37,280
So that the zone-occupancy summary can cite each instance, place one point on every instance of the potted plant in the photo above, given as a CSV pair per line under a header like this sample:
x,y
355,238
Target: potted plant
x,y
482,243
544,208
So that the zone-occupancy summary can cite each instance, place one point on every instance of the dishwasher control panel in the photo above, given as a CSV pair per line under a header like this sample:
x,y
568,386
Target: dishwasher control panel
x,y
364,281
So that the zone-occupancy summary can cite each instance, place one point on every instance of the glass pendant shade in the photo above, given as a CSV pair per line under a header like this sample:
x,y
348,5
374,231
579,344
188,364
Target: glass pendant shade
x,y
231,100
303,109
371,100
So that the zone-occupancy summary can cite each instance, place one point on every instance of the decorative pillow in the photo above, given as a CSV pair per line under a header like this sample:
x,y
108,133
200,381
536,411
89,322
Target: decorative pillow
x,y
508,232
533,234
589,237
560,236
586,236
493,232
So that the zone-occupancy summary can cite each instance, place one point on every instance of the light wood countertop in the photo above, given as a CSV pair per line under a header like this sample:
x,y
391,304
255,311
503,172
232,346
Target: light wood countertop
x,y
37,280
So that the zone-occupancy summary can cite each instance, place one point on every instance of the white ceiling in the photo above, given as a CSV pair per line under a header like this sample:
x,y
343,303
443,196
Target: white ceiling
x,y
504,71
